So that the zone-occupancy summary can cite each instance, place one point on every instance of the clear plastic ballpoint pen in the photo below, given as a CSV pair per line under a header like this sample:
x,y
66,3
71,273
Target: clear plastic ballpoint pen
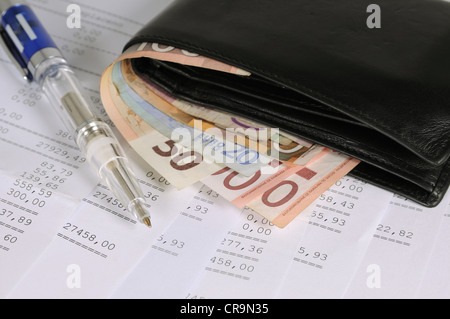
x,y
39,59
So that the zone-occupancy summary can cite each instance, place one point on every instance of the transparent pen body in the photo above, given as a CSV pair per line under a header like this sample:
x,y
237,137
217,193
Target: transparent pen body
x,y
94,137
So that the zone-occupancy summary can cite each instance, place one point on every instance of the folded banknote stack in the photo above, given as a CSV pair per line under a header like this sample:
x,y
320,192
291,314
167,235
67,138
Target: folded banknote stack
x,y
274,173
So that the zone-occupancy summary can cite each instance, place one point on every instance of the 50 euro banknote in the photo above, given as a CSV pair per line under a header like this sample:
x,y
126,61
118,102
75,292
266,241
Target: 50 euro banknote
x,y
180,166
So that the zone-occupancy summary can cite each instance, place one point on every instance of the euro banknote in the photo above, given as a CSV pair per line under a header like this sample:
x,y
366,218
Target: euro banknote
x,y
180,166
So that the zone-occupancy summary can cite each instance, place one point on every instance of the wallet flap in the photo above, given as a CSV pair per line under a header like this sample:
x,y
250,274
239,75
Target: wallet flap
x,y
393,79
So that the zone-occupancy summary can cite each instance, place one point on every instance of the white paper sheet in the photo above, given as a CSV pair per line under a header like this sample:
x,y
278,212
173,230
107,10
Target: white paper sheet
x,y
253,257
435,283
335,241
397,256
96,248
171,266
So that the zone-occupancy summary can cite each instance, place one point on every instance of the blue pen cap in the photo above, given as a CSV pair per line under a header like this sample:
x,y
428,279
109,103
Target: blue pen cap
x,y
25,31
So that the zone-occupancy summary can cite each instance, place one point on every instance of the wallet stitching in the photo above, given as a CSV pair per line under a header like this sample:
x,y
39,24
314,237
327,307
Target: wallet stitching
x,y
433,152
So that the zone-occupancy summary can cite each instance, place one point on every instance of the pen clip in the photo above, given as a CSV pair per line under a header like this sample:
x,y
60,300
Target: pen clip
x,y
14,55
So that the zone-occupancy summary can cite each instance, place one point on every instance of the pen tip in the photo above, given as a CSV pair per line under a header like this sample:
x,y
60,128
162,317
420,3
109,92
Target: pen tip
x,y
138,209
147,222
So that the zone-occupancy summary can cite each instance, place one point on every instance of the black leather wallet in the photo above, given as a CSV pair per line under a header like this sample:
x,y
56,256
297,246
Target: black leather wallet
x,y
320,71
